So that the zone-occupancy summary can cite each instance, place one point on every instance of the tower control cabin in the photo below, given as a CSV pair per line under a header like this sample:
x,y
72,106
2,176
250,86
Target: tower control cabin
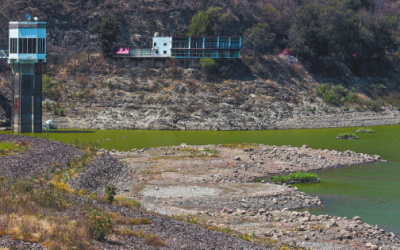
x,y
27,53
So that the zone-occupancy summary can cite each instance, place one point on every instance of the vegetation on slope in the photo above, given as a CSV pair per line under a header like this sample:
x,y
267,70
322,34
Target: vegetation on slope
x,y
295,177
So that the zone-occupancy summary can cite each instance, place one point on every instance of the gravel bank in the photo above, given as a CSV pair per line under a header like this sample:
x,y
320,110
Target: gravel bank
x,y
40,158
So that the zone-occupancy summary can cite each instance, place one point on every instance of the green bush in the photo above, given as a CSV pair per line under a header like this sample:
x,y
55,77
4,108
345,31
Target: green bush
x,y
398,108
208,65
51,88
347,135
99,224
111,191
337,95
298,177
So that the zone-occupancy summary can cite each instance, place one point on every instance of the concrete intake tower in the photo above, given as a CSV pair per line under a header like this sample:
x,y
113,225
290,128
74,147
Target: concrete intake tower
x,y
27,53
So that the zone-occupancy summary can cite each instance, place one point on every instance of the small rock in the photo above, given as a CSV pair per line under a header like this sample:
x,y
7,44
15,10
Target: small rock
x,y
274,201
356,218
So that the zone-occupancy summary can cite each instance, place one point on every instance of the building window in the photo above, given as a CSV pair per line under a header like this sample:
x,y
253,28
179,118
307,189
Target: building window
x,y
155,44
26,46
165,44
41,46
13,46
165,52
156,51
179,53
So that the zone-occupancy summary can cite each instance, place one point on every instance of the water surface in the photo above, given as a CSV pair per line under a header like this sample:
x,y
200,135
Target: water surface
x,y
371,191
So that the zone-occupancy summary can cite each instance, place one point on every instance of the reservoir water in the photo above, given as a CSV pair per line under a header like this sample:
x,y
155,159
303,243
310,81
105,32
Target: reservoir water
x,y
371,191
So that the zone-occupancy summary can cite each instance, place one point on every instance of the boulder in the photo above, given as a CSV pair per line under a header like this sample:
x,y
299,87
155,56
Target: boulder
x,y
227,210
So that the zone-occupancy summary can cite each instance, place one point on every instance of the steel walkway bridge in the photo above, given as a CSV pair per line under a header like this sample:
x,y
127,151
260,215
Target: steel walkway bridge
x,y
3,54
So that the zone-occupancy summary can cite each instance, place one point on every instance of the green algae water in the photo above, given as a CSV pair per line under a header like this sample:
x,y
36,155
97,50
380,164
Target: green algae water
x,y
371,191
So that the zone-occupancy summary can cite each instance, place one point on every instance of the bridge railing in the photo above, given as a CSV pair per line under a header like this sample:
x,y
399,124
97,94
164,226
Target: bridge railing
x,y
3,54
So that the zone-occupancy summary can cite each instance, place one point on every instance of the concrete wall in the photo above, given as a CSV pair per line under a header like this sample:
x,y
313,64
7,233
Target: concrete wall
x,y
163,45
27,98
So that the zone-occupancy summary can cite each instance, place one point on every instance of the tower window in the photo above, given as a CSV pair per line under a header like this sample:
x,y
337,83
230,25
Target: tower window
x,y
165,44
165,52
41,46
155,44
13,46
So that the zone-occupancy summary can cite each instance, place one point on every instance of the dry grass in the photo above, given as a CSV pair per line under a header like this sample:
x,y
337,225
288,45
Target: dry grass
x,y
154,240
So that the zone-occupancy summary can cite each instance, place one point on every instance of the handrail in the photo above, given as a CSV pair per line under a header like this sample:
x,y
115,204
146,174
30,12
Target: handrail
x,y
3,55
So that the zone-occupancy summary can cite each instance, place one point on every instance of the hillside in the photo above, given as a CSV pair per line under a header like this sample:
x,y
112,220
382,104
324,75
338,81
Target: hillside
x,y
86,90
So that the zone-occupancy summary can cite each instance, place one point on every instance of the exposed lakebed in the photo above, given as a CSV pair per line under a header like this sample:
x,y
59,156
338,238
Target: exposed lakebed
x,y
370,191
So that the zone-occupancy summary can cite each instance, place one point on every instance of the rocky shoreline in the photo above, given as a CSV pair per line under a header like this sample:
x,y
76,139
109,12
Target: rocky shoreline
x,y
126,117
214,186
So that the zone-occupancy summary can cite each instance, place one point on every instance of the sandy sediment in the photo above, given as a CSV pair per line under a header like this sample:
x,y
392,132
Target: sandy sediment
x,y
215,184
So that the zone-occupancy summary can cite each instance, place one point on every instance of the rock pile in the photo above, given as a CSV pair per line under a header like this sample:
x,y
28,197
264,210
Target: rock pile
x,y
40,158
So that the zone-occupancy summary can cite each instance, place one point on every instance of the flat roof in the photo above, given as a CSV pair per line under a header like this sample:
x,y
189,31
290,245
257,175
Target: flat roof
x,y
25,24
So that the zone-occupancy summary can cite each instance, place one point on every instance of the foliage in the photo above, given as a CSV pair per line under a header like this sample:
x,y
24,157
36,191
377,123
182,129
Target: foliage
x,y
218,19
339,29
259,37
336,95
111,191
364,130
199,25
123,202
51,88
108,30
347,135
297,177
208,65
99,224
9,148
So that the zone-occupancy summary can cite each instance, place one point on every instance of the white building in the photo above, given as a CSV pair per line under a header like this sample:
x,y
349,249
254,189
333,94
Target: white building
x,y
187,47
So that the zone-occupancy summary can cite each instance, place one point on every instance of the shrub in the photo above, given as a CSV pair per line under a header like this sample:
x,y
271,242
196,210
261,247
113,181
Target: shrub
x,y
337,95
154,240
398,108
111,191
99,224
208,65
347,135
298,177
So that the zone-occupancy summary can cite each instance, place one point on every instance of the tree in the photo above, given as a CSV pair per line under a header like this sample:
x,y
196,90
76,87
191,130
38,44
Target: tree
x,y
111,191
108,30
218,19
199,25
208,65
259,37
340,29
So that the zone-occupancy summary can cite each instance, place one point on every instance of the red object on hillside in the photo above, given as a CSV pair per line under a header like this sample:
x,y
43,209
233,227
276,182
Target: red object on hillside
x,y
285,52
